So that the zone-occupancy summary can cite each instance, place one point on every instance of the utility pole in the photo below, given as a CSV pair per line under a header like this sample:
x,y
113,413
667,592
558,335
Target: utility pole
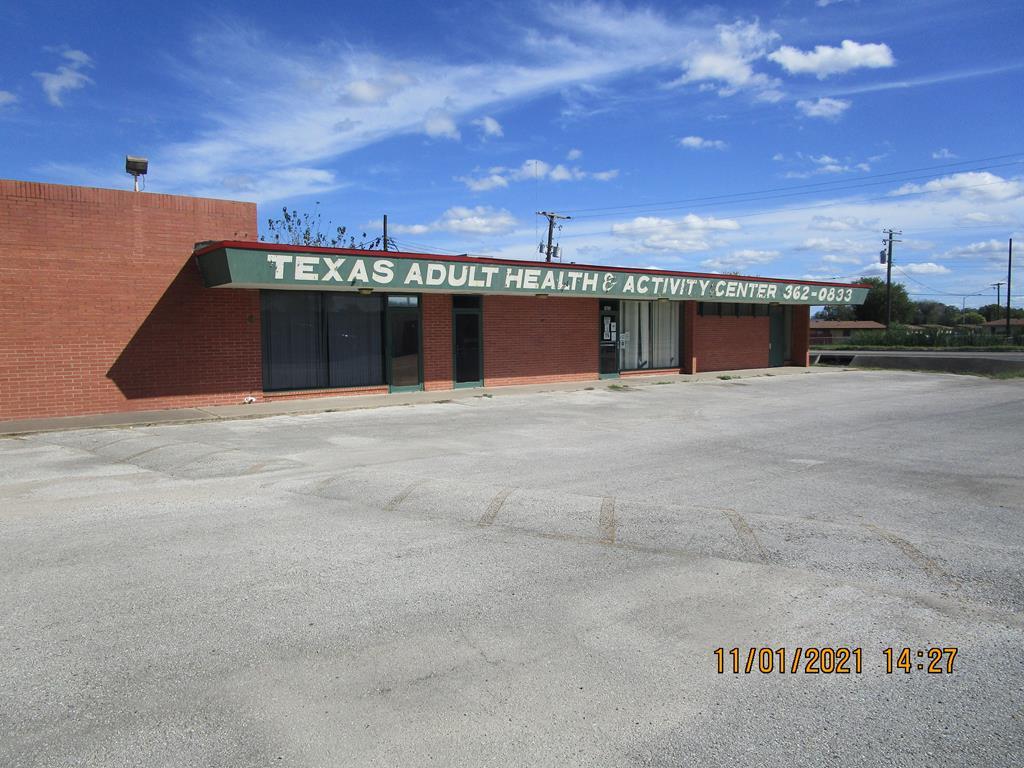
x,y
999,297
888,274
385,231
1009,277
549,251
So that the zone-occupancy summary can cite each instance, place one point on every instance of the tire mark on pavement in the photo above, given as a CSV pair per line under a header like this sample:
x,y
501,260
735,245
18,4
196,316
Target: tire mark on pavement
x,y
494,507
747,536
396,502
608,522
914,554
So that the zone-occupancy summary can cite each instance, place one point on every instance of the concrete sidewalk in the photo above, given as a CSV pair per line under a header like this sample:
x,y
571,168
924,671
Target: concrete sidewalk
x,y
357,402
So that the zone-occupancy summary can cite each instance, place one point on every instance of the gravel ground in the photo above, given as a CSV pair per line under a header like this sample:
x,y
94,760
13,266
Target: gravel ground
x,y
525,580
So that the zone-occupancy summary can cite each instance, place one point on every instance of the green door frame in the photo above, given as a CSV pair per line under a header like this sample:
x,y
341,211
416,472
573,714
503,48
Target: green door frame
x,y
419,327
478,311
776,336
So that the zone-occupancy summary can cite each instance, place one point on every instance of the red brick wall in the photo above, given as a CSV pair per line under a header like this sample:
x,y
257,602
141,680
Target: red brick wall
x,y
801,336
529,340
103,309
437,341
730,343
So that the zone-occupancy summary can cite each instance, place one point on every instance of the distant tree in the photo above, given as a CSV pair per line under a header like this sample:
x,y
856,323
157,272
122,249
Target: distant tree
x,y
935,313
996,312
973,318
294,228
873,307
836,312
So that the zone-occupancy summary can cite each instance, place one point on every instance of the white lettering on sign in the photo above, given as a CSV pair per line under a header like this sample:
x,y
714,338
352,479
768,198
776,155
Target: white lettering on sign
x,y
383,271
415,276
304,267
279,260
435,274
358,273
333,265
463,275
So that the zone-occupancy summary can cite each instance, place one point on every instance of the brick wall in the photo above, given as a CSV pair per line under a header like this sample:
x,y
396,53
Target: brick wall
x,y
437,341
729,343
800,347
529,340
103,309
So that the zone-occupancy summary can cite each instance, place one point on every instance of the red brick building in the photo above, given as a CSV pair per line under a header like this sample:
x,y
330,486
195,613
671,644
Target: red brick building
x,y
108,305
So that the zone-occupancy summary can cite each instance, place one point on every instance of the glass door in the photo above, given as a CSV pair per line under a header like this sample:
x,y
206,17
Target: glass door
x,y
405,369
608,340
467,342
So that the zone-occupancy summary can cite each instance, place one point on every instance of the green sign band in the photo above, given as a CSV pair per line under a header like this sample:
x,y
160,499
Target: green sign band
x,y
242,268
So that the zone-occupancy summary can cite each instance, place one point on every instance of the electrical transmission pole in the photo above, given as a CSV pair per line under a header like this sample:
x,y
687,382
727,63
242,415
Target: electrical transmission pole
x,y
999,297
1009,277
888,274
549,251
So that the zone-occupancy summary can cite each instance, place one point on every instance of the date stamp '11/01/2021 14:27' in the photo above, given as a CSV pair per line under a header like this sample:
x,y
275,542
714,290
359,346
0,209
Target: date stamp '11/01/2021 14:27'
x,y
827,660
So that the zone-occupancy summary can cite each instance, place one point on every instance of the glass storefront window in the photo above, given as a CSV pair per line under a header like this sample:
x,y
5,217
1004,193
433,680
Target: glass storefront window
x,y
650,335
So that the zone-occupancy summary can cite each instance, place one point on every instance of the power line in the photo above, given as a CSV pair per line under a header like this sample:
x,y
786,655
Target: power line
x,y
810,185
750,198
815,206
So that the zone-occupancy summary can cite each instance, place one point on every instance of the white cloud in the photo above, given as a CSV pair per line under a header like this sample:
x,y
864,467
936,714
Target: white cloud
x,y
977,185
989,250
479,220
725,64
697,142
574,154
308,103
377,90
532,170
484,183
778,157
827,60
740,259
68,77
924,268
836,224
438,124
490,127
829,245
686,234
6,97
943,154
825,164
831,258
562,173
824,107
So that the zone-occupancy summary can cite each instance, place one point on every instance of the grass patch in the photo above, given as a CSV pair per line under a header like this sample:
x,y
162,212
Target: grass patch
x,y
728,378
619,387
906,348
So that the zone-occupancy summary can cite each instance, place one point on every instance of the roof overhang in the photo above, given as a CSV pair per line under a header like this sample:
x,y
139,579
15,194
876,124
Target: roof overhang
x,y
269,265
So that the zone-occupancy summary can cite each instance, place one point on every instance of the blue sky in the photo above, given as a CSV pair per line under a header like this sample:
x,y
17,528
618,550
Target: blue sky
x,y
771,138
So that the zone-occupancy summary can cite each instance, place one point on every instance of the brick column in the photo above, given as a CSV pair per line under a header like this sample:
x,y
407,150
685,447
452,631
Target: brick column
x,y
800,336
437,340
689,315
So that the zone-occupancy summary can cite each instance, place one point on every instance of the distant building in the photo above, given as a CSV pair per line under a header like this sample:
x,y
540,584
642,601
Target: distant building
x,y
838,331
997,326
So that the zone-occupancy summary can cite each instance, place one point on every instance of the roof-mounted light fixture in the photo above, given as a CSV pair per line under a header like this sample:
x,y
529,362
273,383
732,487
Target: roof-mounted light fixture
x,y
135,167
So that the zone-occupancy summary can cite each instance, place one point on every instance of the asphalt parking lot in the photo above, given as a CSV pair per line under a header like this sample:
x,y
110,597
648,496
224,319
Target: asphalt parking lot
x,y
526,580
